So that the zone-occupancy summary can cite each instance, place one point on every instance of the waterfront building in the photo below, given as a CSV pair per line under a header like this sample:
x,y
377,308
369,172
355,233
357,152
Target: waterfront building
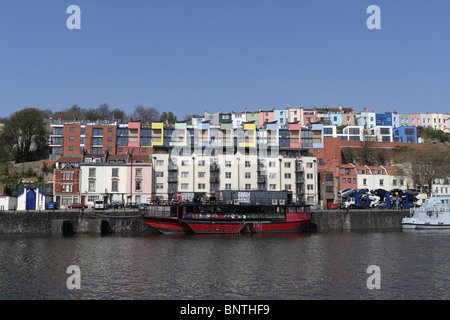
x,y
115,178
66,183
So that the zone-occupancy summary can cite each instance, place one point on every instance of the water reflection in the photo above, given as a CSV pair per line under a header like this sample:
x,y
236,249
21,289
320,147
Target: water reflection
x,y
278,266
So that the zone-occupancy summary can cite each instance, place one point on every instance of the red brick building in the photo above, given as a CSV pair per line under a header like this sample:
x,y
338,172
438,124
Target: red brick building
x,y
67,181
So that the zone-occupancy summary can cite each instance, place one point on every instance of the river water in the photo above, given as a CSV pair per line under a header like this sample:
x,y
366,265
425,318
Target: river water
x,y
323,265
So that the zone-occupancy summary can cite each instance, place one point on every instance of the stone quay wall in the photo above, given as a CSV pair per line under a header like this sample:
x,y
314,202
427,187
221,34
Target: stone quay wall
x,y
22,222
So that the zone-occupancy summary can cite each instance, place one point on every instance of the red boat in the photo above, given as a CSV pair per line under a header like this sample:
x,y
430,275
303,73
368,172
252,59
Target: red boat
x,y
221,218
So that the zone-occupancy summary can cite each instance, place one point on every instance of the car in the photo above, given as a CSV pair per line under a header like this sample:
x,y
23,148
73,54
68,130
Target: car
x,y
333,206
52,206
76,205
132,205
341,192
99,205
143,207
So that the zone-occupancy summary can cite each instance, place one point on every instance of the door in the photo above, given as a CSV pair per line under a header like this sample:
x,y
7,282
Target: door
x,y
31,199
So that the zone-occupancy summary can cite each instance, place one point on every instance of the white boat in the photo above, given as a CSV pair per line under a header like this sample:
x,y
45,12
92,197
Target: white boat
x,y
433,214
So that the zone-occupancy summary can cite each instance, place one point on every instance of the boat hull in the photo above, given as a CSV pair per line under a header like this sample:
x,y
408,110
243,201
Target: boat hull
x,y
225,227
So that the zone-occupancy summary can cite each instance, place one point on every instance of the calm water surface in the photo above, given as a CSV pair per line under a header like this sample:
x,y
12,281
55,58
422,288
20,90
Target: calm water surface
x,y
331,265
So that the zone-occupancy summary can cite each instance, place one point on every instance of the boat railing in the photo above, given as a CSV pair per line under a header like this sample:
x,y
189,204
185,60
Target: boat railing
x,y
430,209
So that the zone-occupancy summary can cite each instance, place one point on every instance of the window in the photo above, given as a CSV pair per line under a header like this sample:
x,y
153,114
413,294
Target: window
x,y
109,139
309,187
247,164
138,172
227,186
381,182
66,188
71,139
201,174
97,131
272,186
344,180
247,175
185,163
109,129
159,174
272,175
201,163
159,163
91,172
138,185
287,175
114,186
309,164
228,164
71,148
248,186
184,186
185,174
228,175
115,172
309,176
287,164
159,186
287,187
91,186
272,164
72,129
201,186
364,182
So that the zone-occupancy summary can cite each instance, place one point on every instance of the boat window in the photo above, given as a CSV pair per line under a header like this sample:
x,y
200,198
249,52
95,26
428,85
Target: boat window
x,y
173,212
290,209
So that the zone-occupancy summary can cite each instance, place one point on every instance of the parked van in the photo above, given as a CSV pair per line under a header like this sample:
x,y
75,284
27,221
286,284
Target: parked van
x,y
99,204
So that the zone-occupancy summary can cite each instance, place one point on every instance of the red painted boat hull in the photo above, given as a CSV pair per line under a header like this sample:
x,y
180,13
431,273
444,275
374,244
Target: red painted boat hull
x,y
169,226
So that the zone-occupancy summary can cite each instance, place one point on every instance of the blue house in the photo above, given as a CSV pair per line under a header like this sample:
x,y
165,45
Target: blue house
x,y
405,134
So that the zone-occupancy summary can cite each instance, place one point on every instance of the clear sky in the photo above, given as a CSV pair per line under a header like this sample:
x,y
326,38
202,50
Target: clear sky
x,y
188,56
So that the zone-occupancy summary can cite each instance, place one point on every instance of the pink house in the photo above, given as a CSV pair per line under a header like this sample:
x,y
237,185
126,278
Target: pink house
x,y
139,180
266,116
134,133
414,120
295,133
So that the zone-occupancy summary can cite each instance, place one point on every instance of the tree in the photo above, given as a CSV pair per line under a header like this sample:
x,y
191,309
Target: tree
x,y
169,117
25,132
147,114
423,165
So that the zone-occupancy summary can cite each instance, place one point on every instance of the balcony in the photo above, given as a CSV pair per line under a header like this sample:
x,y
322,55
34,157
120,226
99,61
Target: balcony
x,y
214,167
214,179
172,179
262,179
173,167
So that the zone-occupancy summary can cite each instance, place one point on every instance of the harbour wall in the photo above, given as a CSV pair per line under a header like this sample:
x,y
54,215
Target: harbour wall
x,y
22,222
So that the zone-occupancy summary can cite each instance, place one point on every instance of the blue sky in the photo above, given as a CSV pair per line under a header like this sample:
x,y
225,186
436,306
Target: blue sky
x,y
188,56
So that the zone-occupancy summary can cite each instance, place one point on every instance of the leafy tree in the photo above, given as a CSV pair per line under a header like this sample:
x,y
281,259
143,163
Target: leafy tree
x,y
25,132
169,117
